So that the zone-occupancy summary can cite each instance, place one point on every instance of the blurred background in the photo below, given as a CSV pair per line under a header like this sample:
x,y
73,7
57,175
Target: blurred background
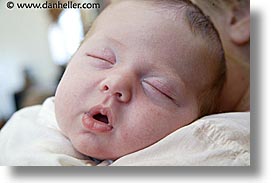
x,y
35,47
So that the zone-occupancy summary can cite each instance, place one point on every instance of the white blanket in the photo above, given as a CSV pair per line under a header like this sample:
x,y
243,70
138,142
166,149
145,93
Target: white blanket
x,y
32,138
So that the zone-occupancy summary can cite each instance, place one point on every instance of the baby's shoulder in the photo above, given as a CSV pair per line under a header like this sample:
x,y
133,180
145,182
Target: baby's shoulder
x,y
32,115
27,119
23,116
27,112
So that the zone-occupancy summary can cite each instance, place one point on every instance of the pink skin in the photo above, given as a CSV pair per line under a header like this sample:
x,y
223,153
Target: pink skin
x,y
130,68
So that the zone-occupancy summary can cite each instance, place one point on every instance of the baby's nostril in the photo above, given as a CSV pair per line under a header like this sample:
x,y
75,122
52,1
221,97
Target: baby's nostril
x,y
105,87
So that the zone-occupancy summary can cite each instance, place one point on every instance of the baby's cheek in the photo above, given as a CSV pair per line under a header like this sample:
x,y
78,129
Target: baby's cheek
x,y
147,126
63,102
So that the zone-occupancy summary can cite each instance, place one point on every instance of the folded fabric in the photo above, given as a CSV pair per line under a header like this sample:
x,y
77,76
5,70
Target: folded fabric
x,y
32,138
216,140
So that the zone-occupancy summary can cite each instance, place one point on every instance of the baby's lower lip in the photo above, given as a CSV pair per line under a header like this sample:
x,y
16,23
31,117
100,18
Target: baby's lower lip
x,y
94,125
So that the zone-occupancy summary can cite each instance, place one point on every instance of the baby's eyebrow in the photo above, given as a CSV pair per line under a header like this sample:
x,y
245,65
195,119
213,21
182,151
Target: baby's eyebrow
x,y
105,39
172,83
115,41
170,75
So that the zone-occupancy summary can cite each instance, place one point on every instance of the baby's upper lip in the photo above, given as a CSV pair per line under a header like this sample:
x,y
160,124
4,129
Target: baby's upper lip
x,y
100,109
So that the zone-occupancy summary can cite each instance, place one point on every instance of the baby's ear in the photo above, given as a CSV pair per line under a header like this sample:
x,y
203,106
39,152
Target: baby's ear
x,y
240,26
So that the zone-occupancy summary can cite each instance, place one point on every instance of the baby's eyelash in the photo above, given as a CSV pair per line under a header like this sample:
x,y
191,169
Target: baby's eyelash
x,y
99,57
167,96
159,90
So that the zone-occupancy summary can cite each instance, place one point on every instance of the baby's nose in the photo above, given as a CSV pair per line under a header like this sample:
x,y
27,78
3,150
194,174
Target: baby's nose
x,y
118,86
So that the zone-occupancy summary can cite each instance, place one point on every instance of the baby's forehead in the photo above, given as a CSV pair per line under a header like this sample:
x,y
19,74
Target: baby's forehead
x,y
165,40
140,20
148,7
165,9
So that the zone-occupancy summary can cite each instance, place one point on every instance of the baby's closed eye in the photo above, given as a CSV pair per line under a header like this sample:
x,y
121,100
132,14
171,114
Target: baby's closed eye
x,y
157,90
100,61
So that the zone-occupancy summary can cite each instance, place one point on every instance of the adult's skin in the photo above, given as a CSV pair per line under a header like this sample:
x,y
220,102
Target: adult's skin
x,y
232,20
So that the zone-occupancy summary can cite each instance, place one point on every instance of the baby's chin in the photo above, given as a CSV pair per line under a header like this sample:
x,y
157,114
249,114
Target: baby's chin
x,y
98,151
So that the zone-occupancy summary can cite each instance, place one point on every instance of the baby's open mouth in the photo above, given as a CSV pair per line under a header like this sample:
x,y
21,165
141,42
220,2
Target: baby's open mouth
x,y
98,120
102,118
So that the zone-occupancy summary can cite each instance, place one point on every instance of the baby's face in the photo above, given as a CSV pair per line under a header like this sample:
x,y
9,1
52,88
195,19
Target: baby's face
x,y
126,87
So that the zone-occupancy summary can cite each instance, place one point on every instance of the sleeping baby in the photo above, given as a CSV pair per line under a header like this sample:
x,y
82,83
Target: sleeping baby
x,y
145,69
